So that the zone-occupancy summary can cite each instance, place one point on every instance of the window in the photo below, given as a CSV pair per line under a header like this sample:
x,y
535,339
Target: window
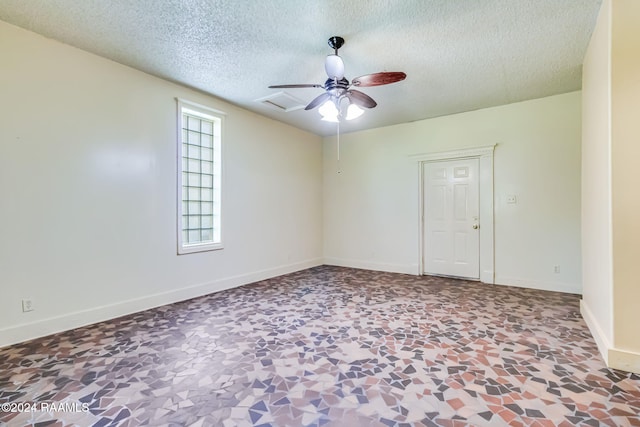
x,y
199,178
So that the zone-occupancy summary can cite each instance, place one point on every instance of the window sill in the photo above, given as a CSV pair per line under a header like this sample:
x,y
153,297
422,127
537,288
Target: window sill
x,y
184,250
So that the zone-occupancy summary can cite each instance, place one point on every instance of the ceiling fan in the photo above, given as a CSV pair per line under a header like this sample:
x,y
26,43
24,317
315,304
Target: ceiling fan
x,y
338,88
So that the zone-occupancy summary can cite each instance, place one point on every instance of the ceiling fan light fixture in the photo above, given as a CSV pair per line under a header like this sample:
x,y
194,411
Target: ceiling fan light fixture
x,y
334,66
329,111
353,112
337,87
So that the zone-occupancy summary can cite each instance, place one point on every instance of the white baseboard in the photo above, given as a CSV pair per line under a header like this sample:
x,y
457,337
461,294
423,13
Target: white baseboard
x,y
40,328
487,276
567,288
596,331
615,358
628,361
372,265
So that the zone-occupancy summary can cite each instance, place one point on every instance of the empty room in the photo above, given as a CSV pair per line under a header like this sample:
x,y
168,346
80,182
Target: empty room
x,y
319,213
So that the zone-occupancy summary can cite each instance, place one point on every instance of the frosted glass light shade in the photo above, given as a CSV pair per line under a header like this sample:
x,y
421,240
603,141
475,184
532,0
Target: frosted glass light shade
x,y
329,111
353,112
334,67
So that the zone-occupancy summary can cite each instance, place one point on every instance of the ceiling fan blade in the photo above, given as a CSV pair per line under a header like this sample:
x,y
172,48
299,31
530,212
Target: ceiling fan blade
x,y
379,79
361,99
318,100
294,86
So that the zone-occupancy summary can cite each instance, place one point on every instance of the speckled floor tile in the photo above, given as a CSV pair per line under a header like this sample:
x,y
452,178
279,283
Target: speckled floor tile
x,y
329,346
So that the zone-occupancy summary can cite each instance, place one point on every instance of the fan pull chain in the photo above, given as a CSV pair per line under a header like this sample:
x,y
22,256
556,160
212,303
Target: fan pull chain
x,y
338,147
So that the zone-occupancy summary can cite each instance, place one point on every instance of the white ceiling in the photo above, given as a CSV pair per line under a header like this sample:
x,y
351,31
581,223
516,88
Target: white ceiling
x,y
459,55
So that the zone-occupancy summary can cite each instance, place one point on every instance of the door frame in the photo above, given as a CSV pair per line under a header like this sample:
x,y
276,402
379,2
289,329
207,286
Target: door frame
x,y
485,156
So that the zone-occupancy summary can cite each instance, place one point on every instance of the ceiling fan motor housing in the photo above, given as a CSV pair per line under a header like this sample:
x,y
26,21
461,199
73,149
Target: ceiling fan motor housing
x,y
335,87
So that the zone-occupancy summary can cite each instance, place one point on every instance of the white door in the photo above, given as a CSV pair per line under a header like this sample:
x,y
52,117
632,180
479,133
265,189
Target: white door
x,y
451,218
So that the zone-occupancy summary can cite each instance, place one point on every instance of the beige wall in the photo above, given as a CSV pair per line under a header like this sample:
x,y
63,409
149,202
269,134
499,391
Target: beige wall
x,y
88,184
625,154
371,208
87,174
597,298
611,235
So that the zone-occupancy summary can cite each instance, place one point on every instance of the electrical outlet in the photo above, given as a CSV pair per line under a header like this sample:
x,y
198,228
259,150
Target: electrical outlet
x,y
27,305
512,199
556,269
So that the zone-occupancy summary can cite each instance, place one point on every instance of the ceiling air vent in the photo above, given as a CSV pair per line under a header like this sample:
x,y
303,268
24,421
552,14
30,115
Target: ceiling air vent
x,y
282,101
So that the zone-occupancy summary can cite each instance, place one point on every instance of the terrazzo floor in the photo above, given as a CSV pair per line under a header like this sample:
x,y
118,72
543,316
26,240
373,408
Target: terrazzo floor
x,y
328,346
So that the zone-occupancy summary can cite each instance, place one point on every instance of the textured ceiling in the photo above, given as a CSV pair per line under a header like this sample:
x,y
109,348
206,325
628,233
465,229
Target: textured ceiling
x,y
459,55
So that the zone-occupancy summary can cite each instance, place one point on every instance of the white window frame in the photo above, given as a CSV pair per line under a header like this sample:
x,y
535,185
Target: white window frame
x,y
218,118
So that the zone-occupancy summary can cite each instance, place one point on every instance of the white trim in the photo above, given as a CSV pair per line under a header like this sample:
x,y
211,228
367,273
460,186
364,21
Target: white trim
x,y
217,116
485,150
600,338
485,156
201,106
553,286
372,265
40,328
200,247
615,358
610,309
624,360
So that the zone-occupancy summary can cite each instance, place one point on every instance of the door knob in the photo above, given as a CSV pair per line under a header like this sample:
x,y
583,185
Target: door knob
x,y
476,226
